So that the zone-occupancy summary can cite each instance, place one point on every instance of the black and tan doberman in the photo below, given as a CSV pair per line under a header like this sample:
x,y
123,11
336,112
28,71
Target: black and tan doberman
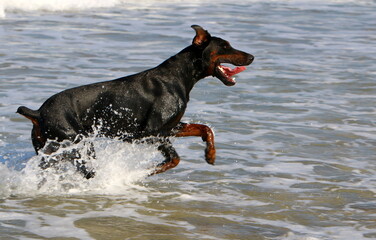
x,y
149,104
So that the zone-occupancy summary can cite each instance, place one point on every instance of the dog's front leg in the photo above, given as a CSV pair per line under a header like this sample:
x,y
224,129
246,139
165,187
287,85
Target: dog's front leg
x,y
172,158
199,130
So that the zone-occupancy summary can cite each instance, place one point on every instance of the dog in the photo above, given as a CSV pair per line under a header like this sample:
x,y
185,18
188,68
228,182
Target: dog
x,y
147,105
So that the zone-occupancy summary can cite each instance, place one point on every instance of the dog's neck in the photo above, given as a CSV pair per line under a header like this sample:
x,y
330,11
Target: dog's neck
x,y
185,68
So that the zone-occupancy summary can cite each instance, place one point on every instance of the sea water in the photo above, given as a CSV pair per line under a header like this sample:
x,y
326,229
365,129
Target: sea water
x,y
295,137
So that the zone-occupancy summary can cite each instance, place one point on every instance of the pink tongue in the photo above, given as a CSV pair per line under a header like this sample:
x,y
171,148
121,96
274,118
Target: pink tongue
x,y
231,72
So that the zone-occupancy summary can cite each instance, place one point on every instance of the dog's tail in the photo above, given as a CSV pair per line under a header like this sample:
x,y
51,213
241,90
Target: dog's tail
x,y
32,115
37,135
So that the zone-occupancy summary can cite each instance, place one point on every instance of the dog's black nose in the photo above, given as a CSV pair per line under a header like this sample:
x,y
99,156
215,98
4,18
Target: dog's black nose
x,y
250,58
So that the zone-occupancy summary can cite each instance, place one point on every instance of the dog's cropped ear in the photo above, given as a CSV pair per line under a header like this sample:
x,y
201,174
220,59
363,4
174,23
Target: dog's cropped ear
x,y
202,37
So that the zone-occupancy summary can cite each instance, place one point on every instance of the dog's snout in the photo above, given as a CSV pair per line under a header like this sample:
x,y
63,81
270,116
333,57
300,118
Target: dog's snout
x,y
250,58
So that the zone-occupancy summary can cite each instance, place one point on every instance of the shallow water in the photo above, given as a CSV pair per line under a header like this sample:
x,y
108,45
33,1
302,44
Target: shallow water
x,y
295,137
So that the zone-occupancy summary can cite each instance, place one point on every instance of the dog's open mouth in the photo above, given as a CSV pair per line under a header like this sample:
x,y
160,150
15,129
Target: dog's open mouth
x,y
225,74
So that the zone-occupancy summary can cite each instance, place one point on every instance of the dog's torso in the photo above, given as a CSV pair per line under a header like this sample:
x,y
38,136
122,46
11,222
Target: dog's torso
x,y
149,103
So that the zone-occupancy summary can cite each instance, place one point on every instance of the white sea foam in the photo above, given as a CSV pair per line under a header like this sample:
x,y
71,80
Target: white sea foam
x,y
78,5
54,5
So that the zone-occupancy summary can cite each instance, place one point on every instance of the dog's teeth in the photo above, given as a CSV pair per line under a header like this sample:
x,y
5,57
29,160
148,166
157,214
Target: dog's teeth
x,y
223,71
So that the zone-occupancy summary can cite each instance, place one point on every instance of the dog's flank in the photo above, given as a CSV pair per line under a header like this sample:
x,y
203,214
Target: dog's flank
x,y
149,104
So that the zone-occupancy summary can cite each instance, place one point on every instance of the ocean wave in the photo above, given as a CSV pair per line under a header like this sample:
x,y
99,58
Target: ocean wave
x,y
54,5
79,5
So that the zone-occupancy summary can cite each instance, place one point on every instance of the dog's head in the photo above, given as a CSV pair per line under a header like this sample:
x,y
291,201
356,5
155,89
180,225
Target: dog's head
x,y
216,51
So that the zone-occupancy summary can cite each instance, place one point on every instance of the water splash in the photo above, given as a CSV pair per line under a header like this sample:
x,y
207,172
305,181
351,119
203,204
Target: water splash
x,y
118,166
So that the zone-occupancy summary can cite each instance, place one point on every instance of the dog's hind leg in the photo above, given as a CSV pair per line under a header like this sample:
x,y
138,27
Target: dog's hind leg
x,y
172,158
73,155
87,152
49,149
90,153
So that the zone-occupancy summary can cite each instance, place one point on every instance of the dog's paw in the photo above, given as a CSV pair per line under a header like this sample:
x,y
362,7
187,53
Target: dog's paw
x,y
210,155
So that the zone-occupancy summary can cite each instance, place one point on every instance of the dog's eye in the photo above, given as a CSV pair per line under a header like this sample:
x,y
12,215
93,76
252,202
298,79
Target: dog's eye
x,y
226,46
